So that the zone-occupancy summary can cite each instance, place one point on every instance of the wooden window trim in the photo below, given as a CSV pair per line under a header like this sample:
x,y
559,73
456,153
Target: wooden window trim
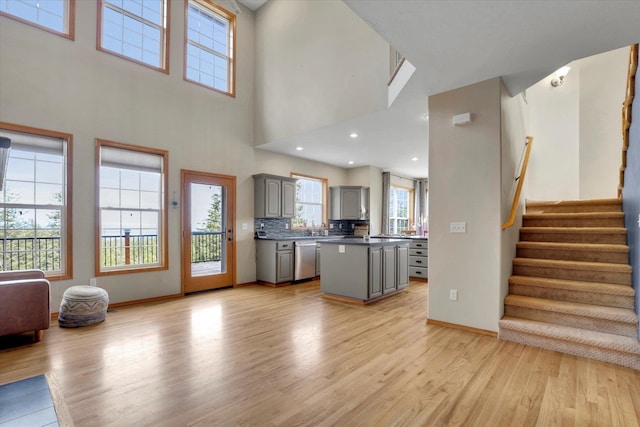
x,y
165,43
71,34
68,235
165,206
231,71
325,199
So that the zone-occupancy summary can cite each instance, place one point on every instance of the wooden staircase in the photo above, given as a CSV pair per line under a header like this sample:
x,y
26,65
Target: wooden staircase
x,y
571,285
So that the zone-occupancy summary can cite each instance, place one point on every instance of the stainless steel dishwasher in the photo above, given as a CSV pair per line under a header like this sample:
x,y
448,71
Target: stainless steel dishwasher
x,y
304,259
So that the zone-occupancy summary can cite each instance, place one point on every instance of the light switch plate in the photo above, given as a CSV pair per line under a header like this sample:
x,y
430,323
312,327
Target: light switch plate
x,y
341,249
245,226
458,227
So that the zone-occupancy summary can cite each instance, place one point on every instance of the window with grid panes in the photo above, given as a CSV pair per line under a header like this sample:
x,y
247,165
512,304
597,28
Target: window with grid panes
x,y
55,16
400,210
310,202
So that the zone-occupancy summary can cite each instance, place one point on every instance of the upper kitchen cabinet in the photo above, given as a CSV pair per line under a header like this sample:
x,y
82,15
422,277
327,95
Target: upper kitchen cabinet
x,y
274,196
349,202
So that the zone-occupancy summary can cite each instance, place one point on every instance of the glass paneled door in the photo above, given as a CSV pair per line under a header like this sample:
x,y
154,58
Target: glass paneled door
x,y
208,243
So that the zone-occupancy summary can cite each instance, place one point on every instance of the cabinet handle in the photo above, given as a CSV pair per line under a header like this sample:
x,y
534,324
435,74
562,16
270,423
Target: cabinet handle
x,y
419,252
418,261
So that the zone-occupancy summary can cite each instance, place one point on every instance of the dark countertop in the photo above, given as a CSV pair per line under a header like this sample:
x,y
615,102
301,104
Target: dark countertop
x,y
388,236
295,238
373,241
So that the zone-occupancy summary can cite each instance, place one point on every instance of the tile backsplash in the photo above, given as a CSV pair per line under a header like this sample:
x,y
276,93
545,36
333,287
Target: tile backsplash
x,y
281,227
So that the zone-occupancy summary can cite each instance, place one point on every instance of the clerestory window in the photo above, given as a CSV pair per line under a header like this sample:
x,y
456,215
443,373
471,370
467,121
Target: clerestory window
x,y
210,46
54,16
137,30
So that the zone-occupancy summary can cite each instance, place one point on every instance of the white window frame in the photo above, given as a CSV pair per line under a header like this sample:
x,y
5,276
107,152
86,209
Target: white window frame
x,y
213,11
393,209
9,8
162,27
42,143
323,204
137,159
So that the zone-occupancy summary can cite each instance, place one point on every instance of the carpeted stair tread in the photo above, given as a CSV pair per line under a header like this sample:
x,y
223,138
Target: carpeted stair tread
x,y
579,219
602,247
595,205
574,285
567,333
607,235
575,265
575,309
618,254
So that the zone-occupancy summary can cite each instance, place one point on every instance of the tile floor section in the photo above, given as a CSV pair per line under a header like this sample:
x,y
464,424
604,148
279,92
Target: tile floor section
x,y
27,403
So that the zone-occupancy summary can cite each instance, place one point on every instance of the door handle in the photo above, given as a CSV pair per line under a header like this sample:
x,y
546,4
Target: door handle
x,y
230,239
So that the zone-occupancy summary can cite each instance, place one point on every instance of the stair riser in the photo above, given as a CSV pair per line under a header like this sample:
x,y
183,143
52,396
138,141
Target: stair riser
x,y
573,274
577,349
613,239
572,222
582,322
605,207
619,301
575,255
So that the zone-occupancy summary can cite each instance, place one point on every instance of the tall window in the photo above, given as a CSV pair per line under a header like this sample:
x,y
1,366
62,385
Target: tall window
x,y
35,218
55,16
210,46
400,210
132,228
311,201
136,30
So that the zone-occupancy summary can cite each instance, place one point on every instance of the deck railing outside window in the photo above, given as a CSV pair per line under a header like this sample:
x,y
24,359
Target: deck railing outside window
x,y
21,253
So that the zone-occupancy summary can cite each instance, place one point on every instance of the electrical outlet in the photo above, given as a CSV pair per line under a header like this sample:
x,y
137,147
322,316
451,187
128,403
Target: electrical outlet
x,y
453,294
93,282
245,226
286,226
331,226
458,227
261,226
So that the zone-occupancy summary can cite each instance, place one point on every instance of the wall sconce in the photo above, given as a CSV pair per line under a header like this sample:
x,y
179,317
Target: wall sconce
x,y
560,75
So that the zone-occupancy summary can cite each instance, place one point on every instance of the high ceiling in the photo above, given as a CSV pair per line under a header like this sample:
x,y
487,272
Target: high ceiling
x,y
456,43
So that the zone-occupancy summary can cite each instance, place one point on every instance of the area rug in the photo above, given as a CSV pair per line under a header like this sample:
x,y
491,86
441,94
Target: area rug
x,y
27,403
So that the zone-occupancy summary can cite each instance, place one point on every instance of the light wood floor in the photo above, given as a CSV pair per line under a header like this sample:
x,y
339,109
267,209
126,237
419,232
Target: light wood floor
x,y
286,356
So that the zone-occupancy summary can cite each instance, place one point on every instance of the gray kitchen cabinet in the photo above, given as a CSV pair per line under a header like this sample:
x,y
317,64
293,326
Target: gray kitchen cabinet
x,y
274,261
349,202
362,271
419,258
402,266
375,272
388,269
317,259
274,196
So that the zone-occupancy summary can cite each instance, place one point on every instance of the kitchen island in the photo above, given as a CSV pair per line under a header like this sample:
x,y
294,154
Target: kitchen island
x,y
362,271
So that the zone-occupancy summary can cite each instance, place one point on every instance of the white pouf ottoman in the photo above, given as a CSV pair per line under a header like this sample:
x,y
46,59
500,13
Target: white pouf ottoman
x,y
82,306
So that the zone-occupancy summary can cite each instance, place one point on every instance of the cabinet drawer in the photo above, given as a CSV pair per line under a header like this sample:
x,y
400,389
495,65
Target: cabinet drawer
x,y
418,272
284,246
419,245
419,252
418,261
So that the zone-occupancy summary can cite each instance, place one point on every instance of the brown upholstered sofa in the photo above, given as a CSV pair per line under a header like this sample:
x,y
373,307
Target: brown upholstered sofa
x,y
25,302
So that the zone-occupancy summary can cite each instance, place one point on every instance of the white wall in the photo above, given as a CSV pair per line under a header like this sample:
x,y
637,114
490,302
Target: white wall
x,y
515,127
577,130
465,185
317,64
53,83
603,81
554,172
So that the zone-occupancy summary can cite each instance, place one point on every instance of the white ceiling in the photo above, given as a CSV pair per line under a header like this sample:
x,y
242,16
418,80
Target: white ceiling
x,y
456,43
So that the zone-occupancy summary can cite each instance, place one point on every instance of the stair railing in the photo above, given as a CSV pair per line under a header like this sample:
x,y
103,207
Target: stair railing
x,y
520,180
626,111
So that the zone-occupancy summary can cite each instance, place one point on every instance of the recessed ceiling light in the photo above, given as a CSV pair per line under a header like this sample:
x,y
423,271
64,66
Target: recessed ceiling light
x,y
414,159
350,162
353,135
299,148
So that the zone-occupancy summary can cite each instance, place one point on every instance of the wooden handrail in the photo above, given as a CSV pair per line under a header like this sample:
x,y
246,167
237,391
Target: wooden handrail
x,y
516,196
626,111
